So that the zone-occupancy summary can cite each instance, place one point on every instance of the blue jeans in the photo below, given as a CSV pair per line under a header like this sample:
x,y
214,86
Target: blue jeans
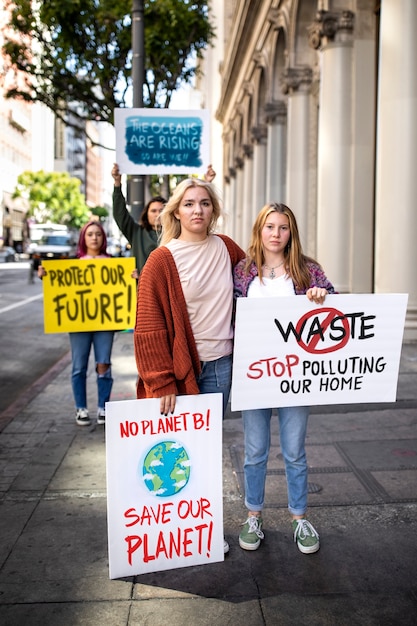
x,y
216,377
81,343
257,434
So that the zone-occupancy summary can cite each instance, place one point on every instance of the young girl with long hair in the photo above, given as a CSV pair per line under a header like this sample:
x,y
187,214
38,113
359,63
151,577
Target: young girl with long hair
x,y
275,266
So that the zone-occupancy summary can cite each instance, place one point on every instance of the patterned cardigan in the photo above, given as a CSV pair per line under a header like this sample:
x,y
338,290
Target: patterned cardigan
x,y
242,280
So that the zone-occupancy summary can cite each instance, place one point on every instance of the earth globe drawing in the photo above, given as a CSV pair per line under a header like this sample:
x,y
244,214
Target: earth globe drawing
x,y
166,468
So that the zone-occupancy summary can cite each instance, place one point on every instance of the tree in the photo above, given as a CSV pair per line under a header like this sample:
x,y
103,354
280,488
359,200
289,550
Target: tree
x,y
53,197
99,211
79,51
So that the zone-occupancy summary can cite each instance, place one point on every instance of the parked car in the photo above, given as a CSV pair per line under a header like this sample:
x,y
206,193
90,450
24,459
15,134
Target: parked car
x,y
114,247
8,254
51,246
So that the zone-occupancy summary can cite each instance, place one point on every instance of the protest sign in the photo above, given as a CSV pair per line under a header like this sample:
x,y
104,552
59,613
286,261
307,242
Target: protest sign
x,y
291,352
162,141
89,294
164,484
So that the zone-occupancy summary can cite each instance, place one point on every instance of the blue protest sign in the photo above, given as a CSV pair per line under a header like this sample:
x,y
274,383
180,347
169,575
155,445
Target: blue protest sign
x,y
161,141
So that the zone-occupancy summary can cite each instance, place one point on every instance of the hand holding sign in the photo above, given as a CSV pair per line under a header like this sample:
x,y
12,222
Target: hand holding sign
x,y
316,294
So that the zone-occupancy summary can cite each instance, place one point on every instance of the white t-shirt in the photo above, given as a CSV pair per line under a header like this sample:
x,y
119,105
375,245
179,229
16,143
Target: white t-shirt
x,y
206,279
271,288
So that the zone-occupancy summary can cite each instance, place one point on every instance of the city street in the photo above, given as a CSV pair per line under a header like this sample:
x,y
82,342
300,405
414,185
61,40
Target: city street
x,y
112,114
54,559
26,352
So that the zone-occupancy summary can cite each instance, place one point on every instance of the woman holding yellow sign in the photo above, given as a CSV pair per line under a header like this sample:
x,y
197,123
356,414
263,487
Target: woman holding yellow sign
x,y
92,244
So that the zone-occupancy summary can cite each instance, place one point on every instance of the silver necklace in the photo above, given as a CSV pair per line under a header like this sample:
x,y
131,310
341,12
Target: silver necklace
x,y
272,269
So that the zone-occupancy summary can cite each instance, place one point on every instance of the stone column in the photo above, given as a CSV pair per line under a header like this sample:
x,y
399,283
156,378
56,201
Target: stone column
x,y
230,203
248,209
332,33
297,81
259,135
362,212
276,118
226,224
396,179
239,200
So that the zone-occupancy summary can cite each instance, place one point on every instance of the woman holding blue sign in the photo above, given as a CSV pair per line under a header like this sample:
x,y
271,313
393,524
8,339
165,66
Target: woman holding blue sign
x,y
183,334
142,235
275,266
92,244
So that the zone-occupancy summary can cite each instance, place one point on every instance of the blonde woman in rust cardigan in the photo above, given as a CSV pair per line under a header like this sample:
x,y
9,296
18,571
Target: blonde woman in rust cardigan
x,y
183,334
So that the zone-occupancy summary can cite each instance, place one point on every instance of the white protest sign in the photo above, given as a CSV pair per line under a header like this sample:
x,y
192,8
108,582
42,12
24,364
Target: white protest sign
x,y
164,484
162,141
291,352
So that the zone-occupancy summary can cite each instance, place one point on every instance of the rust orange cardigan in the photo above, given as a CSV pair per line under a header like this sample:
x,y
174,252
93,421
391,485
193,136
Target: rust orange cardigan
x,y
165,350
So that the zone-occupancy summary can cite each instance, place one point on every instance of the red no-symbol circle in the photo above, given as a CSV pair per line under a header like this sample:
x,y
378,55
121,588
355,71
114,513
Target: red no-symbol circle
x,y
331,314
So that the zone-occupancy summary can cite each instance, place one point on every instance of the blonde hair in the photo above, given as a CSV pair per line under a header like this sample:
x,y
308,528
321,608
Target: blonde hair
x,y
294,258
171,226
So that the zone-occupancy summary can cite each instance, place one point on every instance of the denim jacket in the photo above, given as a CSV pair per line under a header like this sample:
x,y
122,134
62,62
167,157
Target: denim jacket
x,y
242,280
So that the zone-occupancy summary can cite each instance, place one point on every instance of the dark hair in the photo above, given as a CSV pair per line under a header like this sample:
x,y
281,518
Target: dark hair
x,y
144,221
82,247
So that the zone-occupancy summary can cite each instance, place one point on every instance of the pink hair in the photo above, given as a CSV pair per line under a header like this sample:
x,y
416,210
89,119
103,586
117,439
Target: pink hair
x,y
82,248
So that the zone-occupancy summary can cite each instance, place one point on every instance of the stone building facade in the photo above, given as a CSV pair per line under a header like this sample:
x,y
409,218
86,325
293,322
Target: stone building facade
x,y
318,109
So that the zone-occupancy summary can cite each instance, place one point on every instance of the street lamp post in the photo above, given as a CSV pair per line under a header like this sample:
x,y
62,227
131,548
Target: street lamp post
x,y
137,186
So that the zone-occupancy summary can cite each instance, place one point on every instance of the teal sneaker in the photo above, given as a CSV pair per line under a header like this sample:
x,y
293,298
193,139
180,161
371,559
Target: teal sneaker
x,y
306,536
251,534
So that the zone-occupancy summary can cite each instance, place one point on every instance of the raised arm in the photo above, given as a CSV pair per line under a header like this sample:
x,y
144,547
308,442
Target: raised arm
x,y
123,219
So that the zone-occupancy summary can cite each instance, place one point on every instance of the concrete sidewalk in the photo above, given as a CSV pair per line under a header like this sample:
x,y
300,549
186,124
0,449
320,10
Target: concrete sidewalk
x,y
363,502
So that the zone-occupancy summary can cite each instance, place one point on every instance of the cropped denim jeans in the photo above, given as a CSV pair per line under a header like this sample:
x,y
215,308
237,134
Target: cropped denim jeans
x,y
216,377
81,343
257,435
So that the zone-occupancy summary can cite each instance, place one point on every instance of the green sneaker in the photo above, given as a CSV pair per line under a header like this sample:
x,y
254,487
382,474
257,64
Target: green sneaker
x,y
251,534
306,536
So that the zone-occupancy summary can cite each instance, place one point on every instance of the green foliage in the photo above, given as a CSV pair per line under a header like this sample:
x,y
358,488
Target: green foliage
x,y
100,211
53,197
80,51
176,35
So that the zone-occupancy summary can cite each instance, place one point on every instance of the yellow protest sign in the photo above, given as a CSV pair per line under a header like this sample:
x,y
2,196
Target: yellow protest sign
x,y
89,294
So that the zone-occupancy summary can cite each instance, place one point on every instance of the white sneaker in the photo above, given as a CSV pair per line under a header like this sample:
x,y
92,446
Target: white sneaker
x,y
82,418
101,416
225,546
